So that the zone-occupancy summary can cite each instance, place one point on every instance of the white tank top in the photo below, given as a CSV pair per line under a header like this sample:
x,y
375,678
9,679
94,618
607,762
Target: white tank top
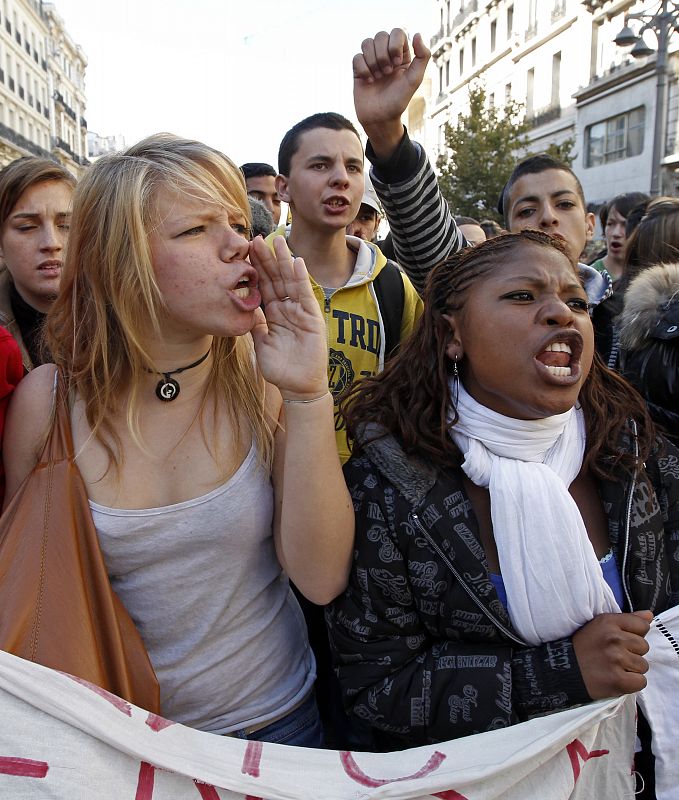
x,y
202,583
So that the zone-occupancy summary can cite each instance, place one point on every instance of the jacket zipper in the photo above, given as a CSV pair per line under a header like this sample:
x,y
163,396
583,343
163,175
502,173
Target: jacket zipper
x,y
326,310
464,585
628,513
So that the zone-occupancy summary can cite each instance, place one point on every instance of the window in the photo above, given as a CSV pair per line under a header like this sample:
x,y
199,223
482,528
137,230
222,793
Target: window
x,y
510,21
442,138
615,138
493,35
532,12
474,51
441,79
594,50
461,60
508,93
556,80
448,72
532,28
559,10
491,100
530,88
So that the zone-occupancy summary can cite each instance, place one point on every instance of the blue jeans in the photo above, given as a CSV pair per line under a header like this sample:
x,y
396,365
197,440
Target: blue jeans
x,y
301,727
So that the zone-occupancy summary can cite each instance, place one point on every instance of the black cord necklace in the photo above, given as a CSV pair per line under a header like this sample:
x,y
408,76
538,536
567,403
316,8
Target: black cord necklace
x,y
167,387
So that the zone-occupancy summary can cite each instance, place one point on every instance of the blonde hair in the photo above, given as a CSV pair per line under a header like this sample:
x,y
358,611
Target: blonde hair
x,y
109,295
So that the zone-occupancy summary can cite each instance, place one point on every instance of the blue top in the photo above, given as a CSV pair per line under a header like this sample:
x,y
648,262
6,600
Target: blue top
x,y
609,568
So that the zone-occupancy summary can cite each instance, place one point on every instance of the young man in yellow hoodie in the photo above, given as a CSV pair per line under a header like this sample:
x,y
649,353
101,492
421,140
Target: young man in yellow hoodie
x,y
321,178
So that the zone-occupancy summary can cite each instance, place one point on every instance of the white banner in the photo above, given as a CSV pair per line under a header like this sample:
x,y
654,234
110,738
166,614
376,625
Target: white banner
x,y
66,740
660,701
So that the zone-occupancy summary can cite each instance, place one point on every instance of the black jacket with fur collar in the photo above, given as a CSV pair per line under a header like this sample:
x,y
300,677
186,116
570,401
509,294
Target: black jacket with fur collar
x,y
423,647
649,342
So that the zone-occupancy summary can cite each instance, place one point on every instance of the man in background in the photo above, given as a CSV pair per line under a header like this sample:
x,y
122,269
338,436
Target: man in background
x,y
471,229
369,214
260,182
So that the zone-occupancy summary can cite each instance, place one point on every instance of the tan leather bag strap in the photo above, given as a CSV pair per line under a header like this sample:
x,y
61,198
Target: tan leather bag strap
x,y
59,443
57,606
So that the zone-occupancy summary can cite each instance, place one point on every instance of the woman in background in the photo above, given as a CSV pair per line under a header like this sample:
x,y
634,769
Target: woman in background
x,y
613,217
35,214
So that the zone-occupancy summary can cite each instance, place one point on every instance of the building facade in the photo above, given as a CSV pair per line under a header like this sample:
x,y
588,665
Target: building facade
x,y
42,86
98,146
558,59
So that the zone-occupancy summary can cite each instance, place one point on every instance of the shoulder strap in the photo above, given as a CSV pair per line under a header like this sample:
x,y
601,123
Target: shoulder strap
x,y
59,440
391,300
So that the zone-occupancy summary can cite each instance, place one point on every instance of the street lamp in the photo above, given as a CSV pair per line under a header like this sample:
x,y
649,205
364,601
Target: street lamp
x,y
662,23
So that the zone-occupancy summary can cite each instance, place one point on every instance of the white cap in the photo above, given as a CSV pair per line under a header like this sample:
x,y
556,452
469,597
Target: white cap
x,y
369,195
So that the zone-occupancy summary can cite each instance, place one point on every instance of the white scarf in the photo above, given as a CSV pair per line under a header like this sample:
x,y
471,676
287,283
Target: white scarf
x,y
551,574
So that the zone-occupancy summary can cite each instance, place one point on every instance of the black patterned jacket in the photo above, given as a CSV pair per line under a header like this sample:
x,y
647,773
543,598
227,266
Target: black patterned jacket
x,y
423,647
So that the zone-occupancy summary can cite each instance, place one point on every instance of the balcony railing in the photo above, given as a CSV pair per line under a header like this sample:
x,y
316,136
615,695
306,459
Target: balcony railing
x,y
66,147
543,116
22,141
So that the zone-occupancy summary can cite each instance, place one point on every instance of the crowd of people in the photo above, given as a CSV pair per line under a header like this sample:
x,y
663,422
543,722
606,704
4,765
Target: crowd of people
x,y
427,485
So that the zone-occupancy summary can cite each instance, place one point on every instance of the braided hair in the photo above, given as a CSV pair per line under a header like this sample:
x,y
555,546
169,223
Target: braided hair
x,y
411,399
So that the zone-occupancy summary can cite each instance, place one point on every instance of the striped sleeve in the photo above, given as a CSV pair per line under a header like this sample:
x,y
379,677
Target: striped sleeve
x,y
422,228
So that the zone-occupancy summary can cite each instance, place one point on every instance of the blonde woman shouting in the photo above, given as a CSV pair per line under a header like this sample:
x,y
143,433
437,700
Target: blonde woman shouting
x,y
196,418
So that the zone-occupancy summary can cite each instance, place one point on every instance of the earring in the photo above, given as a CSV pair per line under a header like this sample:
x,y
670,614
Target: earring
x,y
456,383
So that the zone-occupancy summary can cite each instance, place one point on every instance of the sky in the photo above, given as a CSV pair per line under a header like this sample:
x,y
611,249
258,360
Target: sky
x,y
236,75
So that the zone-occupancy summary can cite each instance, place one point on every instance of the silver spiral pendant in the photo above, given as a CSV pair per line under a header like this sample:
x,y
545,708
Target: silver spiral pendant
x,y
167,389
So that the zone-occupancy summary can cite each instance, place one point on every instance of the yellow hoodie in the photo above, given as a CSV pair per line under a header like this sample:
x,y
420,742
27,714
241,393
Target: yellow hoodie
x,y
354,325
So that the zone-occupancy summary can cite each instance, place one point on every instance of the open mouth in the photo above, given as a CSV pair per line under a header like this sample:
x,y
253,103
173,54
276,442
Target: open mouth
x,y
243,288
557,358
560,357
337,202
